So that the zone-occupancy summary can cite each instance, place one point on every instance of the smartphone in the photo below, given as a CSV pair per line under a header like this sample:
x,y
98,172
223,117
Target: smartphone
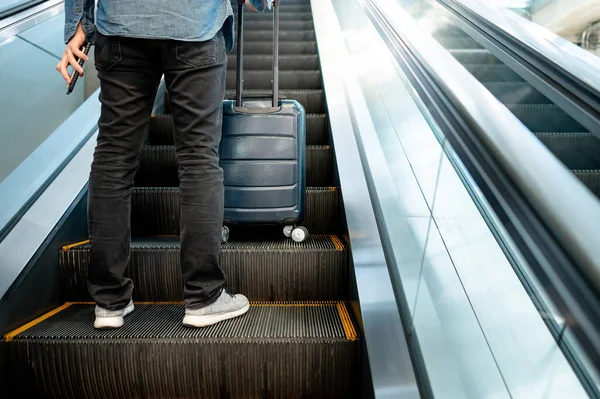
x,y
75,74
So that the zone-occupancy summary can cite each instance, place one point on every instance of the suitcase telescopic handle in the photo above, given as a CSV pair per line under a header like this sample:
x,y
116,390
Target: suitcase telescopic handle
x,y
239,81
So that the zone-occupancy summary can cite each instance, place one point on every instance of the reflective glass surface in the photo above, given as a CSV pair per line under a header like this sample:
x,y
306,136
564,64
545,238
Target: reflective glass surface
x,y
33,102
473,324
7,7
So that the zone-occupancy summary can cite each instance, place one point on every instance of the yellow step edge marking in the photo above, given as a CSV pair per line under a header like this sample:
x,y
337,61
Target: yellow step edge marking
x,y
349,329
337,242
333,188
9,337
252,303
293,303
76,244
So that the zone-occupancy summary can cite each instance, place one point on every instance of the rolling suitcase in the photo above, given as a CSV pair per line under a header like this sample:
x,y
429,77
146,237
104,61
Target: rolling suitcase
x,y
262,152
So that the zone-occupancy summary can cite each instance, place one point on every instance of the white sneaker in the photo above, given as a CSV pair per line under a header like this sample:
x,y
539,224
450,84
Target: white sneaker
x,y
226,307
111,318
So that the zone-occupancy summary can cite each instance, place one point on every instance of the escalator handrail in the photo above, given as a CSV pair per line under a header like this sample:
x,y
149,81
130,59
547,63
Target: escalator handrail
x,y
21,19
25,184
531,165
568,70
548,209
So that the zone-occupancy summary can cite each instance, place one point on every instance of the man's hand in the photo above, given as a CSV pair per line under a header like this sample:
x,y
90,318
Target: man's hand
x,y
74,49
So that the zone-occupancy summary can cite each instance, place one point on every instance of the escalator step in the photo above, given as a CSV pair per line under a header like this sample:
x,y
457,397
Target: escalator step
x,y
286,62
283,25
493,73
161,126
155,211
288,3
313,102
283,8
516,93
158,166
316,172
266,47
280,350
286,36
263,270
457,42
545,118
591,178
575,150
284,15
474,56
288,80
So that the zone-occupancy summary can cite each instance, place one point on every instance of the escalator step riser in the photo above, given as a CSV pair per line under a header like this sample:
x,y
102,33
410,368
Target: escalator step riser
x,y
591,178
158,167
317,173
283,25
284,15
445,28
516,93
545,118
286,62
288,80
155,211
285,48
288,3
287,36
477,56
278,351
575,150
284,8
313,101
453,42
493,73
315,270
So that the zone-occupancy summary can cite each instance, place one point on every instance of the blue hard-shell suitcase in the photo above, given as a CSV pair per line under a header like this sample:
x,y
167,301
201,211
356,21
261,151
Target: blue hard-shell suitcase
x,y
262,153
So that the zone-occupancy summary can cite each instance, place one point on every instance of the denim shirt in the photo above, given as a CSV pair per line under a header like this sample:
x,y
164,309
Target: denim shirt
x,y
186,20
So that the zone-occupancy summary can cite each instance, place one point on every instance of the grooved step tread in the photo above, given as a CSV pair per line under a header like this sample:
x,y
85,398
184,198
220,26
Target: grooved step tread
x,y
284,15
288,80
474,56
161,126
516,93
545,118
279,349
270,269
286,36
284,25
286,62
313,101
577,150
288,47
591,178
158,166
155,211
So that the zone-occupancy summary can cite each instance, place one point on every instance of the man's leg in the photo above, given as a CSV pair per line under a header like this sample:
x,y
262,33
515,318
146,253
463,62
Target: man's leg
x,y
195,77
129,76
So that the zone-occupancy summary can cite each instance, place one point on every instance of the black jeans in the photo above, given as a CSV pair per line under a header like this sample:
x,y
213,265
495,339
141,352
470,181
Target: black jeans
x,y
130,71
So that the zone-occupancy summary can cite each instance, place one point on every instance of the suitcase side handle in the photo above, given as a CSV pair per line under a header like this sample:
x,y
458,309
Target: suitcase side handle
x,y
239,81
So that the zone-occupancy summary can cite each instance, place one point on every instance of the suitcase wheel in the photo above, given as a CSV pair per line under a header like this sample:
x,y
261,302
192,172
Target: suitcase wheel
x,y
299,234
224,234
287,230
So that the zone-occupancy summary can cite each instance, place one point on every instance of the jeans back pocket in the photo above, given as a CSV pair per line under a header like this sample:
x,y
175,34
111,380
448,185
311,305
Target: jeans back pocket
x,y
202,54
107,51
